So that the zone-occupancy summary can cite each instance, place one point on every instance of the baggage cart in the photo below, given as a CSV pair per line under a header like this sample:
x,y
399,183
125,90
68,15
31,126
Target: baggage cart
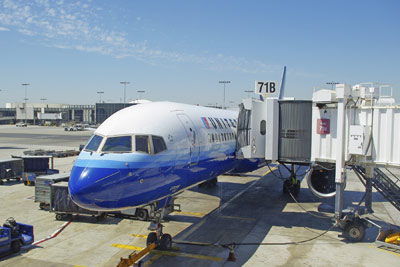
x,y
43,188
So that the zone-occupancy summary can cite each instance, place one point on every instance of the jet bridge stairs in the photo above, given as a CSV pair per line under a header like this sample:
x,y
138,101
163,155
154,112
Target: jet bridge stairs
x,y
388,186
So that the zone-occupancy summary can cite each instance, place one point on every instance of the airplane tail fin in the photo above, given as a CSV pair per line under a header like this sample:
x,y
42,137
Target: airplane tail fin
x,y
282,89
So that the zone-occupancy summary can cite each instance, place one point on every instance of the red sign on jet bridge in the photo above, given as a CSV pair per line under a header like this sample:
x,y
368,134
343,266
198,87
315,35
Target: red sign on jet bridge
x,y
323,126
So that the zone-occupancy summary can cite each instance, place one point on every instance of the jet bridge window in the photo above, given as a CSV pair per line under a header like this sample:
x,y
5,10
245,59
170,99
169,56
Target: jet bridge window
x,y
142,143
158,144
94,143
118,144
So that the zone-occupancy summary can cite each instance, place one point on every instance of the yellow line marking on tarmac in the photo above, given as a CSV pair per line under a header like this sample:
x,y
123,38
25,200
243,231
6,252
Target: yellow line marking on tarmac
x,y
237,218
187,255
391,252
272,169
151,260
193,229
142,236
126,247
196,214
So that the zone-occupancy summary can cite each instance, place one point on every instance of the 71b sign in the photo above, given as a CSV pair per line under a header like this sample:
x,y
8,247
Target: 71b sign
x,y
269,88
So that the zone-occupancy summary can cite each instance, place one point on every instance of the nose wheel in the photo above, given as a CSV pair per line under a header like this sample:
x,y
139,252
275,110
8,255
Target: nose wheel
x,y
162,241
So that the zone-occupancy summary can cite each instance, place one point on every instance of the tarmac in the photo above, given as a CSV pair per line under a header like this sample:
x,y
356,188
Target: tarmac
x,y
248,209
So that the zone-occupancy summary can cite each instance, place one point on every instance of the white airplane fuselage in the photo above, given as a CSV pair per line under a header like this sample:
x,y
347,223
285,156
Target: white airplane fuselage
x,y
151,151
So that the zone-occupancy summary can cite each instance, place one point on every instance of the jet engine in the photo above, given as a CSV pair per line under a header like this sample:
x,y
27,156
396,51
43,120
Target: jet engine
x,y
321,180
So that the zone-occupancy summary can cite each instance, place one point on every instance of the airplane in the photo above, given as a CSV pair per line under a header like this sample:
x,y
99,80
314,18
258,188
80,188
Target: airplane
x,y
148,153
151,151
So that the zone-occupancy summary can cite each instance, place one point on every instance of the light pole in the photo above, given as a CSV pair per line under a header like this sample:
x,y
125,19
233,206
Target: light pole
x,y
26,92
100,93
224,82
332,83
248,92
26,97
125,83
141,92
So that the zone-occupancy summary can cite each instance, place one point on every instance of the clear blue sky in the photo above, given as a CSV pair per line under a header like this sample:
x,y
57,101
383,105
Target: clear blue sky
x,y
179,50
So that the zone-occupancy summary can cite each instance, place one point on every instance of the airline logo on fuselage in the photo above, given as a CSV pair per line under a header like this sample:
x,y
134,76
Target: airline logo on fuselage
x,y
218,123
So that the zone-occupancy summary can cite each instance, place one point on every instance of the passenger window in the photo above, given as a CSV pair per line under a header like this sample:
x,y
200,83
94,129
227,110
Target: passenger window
x,y
94,143
142,143
158,144
118,144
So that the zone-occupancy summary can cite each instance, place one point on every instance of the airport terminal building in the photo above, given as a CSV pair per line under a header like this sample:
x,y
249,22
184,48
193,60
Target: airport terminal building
x,y
40,113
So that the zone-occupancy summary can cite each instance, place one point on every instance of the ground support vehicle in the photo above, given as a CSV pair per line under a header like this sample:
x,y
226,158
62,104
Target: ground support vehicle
x,y
13,235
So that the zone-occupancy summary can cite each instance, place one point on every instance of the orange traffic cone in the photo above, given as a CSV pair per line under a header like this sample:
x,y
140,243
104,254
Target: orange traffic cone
x,y
231,256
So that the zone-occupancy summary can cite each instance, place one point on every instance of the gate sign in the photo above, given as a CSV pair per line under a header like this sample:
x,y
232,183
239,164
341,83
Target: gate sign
x,y
323,126
268,88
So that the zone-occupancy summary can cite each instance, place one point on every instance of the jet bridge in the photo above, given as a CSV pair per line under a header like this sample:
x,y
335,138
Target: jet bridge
x,y
351,126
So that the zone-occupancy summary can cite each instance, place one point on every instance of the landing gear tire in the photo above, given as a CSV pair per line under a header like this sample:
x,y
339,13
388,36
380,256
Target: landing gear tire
x,y
151,238
354,231
59,217
142,214
166,242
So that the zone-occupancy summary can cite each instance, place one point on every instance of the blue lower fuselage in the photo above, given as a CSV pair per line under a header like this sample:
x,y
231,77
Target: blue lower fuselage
x,y
120,181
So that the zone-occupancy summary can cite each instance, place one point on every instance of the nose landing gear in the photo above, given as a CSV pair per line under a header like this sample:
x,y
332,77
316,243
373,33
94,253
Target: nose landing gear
x,y
162,241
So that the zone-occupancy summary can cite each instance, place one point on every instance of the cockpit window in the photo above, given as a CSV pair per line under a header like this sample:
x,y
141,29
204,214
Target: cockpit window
x,y
94,143
158,144
142,143
118,144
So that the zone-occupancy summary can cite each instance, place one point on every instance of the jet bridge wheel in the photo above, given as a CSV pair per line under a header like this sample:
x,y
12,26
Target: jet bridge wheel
x,y
354,231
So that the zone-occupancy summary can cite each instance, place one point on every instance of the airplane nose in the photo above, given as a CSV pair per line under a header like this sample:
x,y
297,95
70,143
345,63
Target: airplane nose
x,y
88,187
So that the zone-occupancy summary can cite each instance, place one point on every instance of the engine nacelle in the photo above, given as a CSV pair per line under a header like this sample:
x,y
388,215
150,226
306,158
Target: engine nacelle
x,y
321,181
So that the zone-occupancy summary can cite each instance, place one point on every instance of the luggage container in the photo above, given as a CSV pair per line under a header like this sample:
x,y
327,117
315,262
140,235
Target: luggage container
x,y
63,206
10,169
34,166
43,188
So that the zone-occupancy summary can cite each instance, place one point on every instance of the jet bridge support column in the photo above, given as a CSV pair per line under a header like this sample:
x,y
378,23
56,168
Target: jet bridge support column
x,y
369,171
342,91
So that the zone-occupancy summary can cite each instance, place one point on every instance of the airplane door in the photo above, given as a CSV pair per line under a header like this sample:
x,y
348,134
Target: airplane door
x,y
192,137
